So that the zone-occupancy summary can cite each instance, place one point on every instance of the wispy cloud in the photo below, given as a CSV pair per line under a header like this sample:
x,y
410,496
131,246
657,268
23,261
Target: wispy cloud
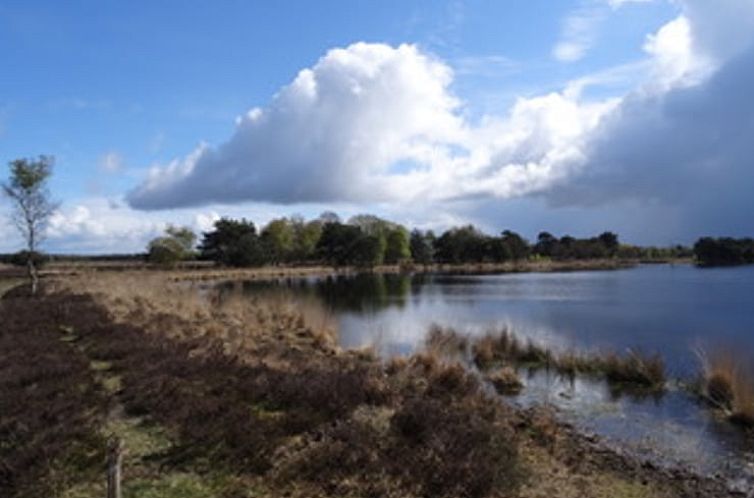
x,y
616,4
581,27
618,79
446,33
111,162
493,65
579,31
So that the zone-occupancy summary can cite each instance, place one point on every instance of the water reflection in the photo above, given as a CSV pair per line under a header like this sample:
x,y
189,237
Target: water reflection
x,y
657,308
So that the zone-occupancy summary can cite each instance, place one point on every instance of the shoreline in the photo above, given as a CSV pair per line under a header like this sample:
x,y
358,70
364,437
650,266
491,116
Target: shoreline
x,y
556,453
190,271
200,271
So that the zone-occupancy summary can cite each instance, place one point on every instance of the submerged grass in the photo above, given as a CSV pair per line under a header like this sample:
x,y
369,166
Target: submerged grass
x,y
503,348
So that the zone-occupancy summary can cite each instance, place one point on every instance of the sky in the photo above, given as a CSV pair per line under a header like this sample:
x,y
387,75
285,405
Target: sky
x,y
574,117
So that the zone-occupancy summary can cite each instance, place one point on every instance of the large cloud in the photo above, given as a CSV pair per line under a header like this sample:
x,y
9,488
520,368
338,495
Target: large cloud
x,y
684,144
375,123
329,135
690,147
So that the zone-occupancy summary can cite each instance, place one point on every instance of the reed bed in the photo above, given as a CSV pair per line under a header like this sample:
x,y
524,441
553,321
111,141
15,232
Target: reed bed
x,y
503,348
245,325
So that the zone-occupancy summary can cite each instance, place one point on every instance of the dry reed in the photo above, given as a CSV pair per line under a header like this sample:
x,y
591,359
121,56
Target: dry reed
x,y
503,348
187,310
727,382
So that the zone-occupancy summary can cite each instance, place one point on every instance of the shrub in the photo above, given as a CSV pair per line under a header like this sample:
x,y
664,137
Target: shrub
x,y
454,449
51,407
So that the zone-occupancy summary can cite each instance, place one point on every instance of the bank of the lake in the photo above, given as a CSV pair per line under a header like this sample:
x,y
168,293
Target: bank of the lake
x,y
249,397
529,266
674,310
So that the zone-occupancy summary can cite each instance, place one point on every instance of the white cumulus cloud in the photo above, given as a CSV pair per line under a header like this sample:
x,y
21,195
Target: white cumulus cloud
x,y
371,123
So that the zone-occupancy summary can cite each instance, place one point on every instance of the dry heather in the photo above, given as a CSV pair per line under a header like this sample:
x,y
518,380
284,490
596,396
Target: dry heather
x,y
245,325
198,423
317,426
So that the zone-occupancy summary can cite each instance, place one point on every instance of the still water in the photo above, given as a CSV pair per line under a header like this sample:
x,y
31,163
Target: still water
x,y
668,309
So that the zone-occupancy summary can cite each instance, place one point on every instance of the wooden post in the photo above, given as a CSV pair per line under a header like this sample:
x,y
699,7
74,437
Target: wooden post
x,y
114,461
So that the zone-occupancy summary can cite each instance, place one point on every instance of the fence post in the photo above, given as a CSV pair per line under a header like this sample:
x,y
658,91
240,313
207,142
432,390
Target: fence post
x,y
114,460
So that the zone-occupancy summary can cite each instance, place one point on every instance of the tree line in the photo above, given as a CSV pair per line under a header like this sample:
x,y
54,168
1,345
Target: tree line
x,y
724,251
367,241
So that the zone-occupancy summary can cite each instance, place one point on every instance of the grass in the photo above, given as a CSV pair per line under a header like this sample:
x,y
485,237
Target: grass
x,y
634,368
501,349
445,342
245,326
505,380
7,284
553,479
200,421
727,382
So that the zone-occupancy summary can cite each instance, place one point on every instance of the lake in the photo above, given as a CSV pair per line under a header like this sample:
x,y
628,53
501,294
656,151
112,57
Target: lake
x,y
670,309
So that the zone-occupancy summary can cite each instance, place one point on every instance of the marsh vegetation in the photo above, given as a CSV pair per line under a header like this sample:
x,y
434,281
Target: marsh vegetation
x,y
219,394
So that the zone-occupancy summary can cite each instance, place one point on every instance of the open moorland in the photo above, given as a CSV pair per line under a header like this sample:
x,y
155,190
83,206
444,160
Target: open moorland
x,y
241,398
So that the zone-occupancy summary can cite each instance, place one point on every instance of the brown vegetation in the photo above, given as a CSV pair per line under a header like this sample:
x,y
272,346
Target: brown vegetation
x,y
504,349
728,383
281,415
315,424
505,380
244,326
50,406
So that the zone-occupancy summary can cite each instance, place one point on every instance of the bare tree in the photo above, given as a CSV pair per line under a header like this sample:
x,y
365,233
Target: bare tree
x,y
27,188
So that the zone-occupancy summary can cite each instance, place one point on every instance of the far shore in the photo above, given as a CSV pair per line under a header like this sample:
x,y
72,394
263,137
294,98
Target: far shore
x,y
272,272
199,270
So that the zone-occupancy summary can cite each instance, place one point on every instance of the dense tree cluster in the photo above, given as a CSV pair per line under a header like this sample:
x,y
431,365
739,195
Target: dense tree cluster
x,y
724,251
605,245
364,241
653,253
367,240
233,243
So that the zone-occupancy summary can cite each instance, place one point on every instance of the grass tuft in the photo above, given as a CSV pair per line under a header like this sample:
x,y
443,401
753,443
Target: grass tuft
x,y
505,380
503,349
727,382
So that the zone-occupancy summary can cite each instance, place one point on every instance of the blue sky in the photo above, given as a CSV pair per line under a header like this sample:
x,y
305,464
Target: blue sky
x,y
478,111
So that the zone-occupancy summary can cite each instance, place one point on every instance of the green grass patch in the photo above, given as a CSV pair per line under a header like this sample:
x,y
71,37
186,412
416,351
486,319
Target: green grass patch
x,y
112,384
8,284
140,438
181,485
100,366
